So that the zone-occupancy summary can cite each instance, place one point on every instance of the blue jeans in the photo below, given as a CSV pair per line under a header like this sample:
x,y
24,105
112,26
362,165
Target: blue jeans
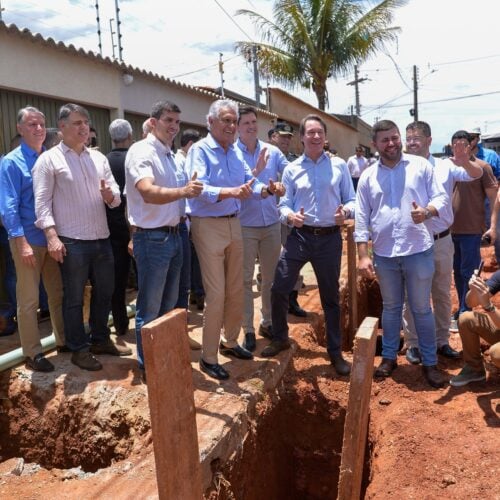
x,y
324,253
413,273
86,260
185,277
158,256
466,258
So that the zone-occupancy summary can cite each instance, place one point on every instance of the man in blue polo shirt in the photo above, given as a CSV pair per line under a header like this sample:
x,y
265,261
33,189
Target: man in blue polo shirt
x,y
28,243
260,222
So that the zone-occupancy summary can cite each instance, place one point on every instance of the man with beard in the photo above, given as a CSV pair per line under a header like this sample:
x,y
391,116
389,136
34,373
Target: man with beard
x,y
396,199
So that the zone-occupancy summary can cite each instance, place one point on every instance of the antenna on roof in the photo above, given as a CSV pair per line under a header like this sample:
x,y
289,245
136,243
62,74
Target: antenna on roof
x,y
98,24
111,32
118,22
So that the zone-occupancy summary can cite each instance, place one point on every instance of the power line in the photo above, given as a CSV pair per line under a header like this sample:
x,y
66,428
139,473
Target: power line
x,y
203,69
233,21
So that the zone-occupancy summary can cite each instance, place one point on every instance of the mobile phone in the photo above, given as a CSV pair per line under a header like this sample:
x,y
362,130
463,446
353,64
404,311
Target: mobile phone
x,y
480,269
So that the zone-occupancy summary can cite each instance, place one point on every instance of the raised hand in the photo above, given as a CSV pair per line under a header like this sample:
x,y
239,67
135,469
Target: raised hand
x,y
261,162
461,153
339,215
193,188
417,214
276,188
106,193
244,191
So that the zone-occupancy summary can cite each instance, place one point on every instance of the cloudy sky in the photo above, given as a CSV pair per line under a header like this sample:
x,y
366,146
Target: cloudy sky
x,y
454,45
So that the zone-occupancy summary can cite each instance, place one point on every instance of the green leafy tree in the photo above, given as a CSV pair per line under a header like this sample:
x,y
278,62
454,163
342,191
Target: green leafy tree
x,y
309,41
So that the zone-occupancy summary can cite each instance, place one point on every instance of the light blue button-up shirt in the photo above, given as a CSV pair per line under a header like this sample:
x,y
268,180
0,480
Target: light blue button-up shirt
x,y
318,187
217,169
261,212
17,200
384,201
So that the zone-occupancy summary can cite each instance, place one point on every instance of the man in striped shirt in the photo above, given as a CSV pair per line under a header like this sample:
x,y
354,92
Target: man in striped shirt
x,y
72,186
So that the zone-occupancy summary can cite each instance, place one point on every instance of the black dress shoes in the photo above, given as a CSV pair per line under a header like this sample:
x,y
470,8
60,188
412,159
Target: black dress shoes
x,y
214,370
386,367
448,352
413,355
275,347
237,351
434,376
266,331
249,342
342,367
39,363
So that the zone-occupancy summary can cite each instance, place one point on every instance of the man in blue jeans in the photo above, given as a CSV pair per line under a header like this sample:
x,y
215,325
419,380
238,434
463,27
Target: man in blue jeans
x,y
72,186
396,199
154,208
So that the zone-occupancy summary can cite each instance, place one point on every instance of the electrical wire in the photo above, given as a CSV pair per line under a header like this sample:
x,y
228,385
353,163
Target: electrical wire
x,y
233,21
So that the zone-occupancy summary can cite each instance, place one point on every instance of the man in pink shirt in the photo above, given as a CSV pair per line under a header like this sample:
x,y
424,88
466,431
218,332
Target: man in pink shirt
x,y
72,186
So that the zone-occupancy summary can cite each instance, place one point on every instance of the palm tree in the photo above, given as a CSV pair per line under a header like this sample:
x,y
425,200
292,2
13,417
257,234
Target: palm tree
x,y
310,41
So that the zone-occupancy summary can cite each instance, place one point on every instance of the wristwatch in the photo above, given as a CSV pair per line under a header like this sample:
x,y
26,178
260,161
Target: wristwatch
x,y
489,308
428,213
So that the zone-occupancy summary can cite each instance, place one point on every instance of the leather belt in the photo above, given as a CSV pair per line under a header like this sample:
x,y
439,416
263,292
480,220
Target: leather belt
x,y
319,231
165,229
442,235
230,216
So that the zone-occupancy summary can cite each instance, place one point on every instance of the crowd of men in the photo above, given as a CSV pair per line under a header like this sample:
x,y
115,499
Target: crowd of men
x,y
199,221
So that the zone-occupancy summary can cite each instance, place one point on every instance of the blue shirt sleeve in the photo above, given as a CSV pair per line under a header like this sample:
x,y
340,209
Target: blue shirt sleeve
x,y
10,192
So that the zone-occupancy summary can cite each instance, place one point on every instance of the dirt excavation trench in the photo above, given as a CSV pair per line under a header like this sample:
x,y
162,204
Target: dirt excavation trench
x,y
272,431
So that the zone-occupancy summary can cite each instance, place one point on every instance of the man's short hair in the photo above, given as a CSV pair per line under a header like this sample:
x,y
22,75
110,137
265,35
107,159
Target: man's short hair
x,y
246,110
461,134
24,111
383,126
359,149
424,127
190,134
161,107
66,109
217,106
120,130
52,138
270,133
315,118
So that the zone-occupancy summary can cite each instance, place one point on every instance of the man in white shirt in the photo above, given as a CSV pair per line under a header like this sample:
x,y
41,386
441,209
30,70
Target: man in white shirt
x,y
458,168
154,196
356,165
396,198
72,186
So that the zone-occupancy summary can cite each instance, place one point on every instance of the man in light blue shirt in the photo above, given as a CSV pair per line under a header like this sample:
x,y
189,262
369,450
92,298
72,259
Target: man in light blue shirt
x,y
216,233
260,222
28,243
396,199
319,197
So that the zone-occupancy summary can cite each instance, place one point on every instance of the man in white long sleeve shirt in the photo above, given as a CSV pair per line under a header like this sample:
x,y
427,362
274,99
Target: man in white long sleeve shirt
x,y
458,168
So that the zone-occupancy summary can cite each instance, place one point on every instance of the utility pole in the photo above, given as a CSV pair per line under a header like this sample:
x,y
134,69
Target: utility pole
x,y
415,93
111,32
356,83
221,71
98,26
118,32
256,75
1,10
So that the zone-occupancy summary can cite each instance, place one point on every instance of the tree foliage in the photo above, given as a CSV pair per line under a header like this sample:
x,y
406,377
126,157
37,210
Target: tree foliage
x,y
309,41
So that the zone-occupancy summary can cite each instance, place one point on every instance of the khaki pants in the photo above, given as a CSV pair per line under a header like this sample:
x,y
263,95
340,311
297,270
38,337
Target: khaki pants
x,y
27,291
219,246
264,242
473,326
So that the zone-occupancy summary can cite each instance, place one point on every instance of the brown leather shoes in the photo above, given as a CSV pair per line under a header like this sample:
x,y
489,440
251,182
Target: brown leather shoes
x,y
386,367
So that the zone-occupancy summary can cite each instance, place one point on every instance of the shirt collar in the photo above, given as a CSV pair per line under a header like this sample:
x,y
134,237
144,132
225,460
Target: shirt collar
x,y
213,144
404,160
158,145
29,151
66,149
244,148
